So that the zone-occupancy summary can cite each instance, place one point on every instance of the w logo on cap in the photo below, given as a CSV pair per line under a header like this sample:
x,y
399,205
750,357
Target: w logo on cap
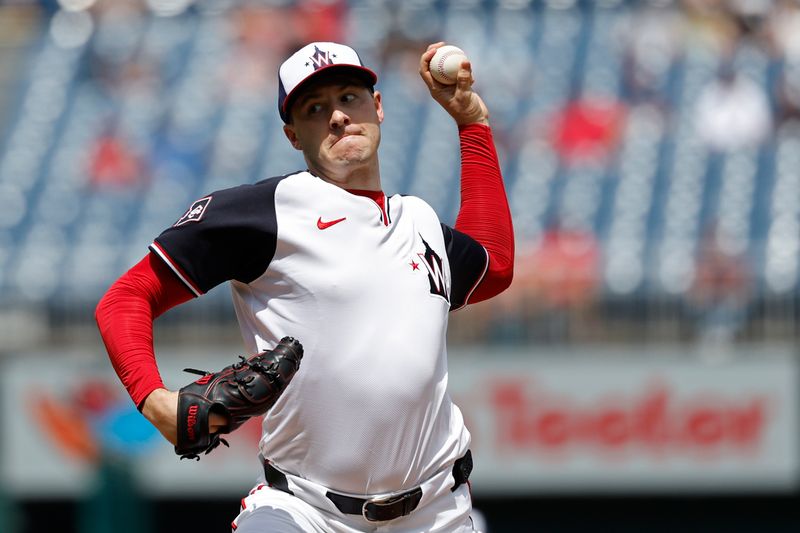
x,y
321,59
310,61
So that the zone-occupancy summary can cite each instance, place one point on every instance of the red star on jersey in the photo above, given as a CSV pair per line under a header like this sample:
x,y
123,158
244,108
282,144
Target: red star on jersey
x,y
414,266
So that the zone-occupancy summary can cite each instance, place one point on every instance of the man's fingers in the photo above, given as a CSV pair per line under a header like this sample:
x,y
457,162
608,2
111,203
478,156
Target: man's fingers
x,y
425,66
217,421
465,72
425,59
464,78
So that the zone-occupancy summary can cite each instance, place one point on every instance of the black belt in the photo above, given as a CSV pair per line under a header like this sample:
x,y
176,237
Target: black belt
x,y
376,509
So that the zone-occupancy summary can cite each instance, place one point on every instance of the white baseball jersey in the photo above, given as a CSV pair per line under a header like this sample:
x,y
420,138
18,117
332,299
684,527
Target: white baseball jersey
x,y
367,291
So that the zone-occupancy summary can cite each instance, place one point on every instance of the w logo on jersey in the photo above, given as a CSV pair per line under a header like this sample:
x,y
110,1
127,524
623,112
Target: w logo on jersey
x,y
321,59
433,263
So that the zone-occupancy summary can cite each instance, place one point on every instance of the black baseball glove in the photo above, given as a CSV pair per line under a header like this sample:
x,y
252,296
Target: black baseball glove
x,y
240,391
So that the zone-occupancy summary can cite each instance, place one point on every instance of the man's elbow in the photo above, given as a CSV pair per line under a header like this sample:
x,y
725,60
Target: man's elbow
x,y
504,278
119,294
497,279
103,309
501,264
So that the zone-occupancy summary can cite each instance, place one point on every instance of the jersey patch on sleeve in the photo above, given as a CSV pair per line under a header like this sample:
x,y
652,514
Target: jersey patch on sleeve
x,y
195,212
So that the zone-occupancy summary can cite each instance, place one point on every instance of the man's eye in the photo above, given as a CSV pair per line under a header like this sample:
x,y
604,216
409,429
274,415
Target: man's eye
x,y
348,97
314,108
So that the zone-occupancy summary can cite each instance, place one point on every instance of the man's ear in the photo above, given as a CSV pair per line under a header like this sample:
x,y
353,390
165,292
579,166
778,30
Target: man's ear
x,y
288,130
376,96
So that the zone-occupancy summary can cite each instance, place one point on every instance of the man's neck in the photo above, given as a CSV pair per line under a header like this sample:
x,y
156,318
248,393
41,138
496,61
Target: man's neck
x,y
364,178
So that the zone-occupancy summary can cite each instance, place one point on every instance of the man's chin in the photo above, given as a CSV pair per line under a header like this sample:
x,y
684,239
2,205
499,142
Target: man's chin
x,y
350,163
353,155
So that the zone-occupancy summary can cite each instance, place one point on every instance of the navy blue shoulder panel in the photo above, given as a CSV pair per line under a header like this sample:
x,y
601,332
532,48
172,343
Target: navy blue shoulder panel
x,y
468,262
231,234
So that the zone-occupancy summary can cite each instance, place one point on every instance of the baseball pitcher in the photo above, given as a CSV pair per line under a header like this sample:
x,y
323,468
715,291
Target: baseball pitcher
x,y
342,294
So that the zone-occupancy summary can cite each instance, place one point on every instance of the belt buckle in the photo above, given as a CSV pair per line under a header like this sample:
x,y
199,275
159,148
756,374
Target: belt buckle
x,y
387,501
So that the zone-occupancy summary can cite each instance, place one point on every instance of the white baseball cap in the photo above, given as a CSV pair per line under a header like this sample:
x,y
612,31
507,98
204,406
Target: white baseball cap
x,y
312,59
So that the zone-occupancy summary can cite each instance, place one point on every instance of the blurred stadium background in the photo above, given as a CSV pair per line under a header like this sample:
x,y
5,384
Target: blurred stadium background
x,y
641,374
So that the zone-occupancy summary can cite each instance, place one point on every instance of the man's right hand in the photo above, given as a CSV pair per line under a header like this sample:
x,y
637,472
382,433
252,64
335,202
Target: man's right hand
x,y
161,409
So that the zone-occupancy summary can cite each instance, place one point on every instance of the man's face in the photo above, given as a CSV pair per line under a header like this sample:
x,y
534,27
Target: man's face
x,y
336,123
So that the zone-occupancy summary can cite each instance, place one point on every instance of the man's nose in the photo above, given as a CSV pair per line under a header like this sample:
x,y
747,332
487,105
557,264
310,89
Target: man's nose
x,y
339,119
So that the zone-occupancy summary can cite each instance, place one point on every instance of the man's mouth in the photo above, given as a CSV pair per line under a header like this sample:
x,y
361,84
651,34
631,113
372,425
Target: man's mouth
x,y
344,137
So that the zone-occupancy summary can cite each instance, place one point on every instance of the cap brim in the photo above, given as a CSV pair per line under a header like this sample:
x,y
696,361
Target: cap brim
x,y
362,72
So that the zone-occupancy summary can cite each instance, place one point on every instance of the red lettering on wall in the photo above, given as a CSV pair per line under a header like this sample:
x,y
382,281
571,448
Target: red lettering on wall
x,y
657,420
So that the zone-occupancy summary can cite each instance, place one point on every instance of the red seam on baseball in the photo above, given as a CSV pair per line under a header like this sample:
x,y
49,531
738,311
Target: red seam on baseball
x,y
440,65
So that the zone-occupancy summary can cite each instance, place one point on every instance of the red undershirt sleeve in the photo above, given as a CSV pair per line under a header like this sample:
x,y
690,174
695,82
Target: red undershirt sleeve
x,y
125,317
484,214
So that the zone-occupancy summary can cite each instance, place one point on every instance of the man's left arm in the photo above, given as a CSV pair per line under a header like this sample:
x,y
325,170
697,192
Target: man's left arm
x,y
484,214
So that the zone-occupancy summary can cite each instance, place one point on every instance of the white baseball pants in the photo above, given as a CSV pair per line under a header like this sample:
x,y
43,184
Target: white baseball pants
x,y
270,510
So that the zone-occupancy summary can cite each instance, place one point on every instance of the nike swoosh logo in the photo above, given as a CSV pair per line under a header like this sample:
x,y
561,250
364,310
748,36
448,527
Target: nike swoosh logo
x,y
326,225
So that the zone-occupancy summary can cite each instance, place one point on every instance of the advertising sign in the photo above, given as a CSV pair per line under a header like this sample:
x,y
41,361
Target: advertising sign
x,y
628,422
541,422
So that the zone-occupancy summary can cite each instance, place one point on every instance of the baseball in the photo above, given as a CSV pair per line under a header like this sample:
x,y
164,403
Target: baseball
x,y
445,64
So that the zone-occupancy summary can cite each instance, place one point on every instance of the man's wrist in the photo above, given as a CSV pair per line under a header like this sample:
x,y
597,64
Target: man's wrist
x,y
482,121
479,123
153,405
161,409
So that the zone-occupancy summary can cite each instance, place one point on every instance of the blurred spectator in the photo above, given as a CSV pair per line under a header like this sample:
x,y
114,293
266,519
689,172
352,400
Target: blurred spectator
x,y
555,283
784,29
711,24
399,48
319,20
565,268
113,163
724,24
588,129
733,112
720,291
119,27
264,35
750,17
787,98
652,37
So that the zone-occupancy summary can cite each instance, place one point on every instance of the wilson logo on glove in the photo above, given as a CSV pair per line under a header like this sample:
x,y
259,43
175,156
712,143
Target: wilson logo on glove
x,y
238,392
191,422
